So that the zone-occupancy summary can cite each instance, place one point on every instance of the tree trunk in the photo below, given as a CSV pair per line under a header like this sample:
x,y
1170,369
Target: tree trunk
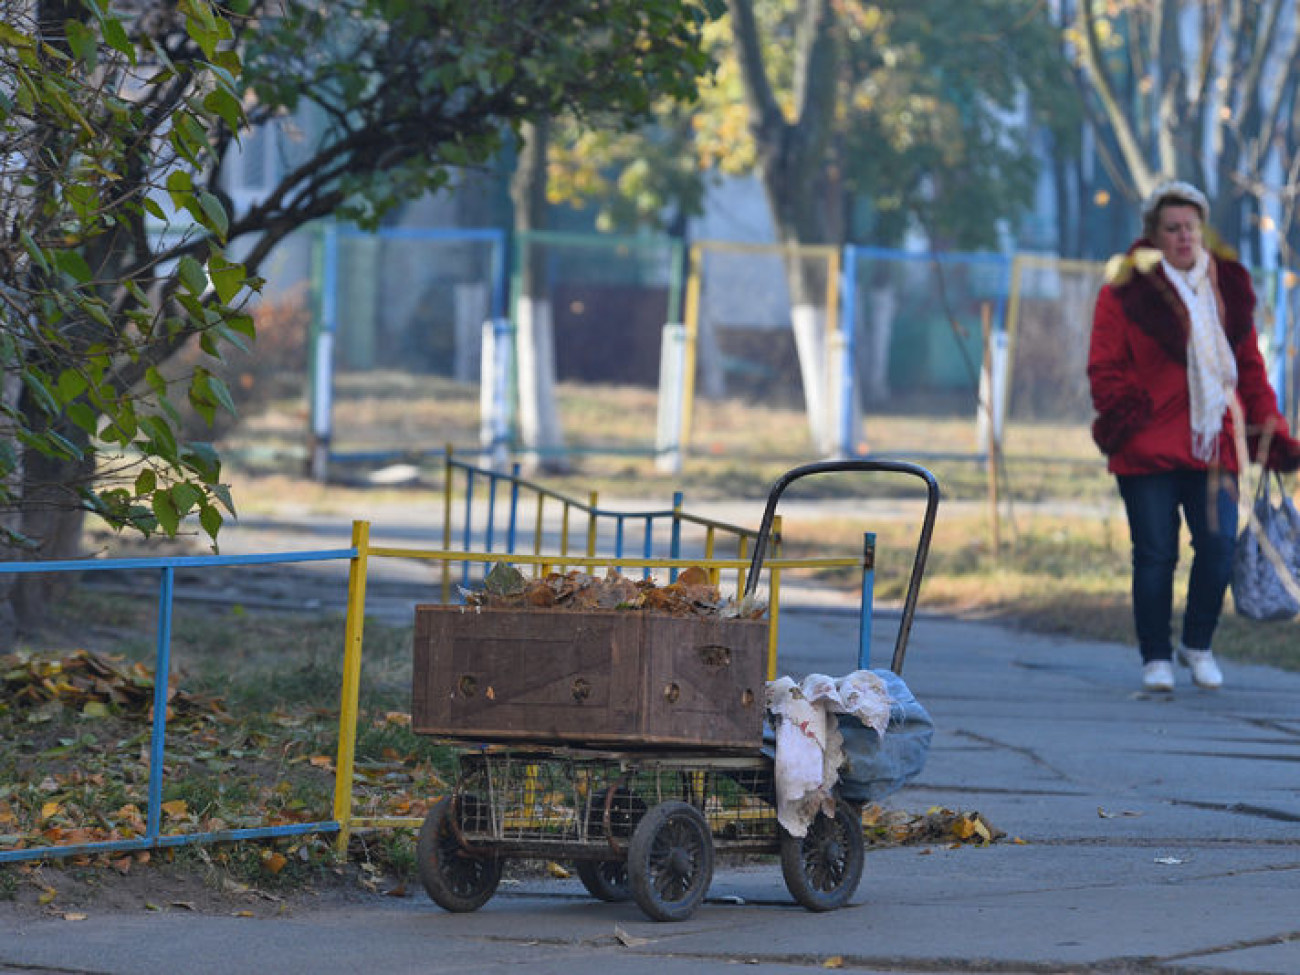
x,y
539,416
10,516
53,519
794,163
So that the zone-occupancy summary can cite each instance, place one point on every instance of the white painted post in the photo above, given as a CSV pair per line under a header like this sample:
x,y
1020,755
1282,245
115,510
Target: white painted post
x,y
322,406
494,386
992,397
672,374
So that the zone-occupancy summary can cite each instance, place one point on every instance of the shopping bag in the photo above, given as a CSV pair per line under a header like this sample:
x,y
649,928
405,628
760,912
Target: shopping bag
x,y
1266,563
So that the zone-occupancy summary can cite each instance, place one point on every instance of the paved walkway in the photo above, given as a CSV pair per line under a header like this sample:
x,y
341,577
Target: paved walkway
x,y
1145,834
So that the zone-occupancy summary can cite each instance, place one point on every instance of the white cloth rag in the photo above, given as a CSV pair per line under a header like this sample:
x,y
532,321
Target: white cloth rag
x,y
809,744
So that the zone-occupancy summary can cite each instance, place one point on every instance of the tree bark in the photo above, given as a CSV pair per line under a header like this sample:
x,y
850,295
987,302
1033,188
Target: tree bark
x,y
794,167
53,518
10,515
539,416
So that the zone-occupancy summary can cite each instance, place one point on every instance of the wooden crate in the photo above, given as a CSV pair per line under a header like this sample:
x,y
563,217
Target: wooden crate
x,y
609,678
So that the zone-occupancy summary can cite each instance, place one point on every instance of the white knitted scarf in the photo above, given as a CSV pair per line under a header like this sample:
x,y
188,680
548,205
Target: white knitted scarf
x,y
1211,369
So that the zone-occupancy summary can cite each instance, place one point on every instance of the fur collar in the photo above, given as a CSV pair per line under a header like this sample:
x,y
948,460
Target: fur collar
x,y
1151,303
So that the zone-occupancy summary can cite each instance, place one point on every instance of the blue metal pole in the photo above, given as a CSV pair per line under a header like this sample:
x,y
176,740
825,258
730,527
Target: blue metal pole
x,y
161,670
513,526
172,562
147,843
868,590
675,548
848,372
467,536
647,547
491,512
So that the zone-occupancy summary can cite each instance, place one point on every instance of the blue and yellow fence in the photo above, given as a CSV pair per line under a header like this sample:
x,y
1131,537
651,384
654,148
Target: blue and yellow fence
x,y
153,837
655,554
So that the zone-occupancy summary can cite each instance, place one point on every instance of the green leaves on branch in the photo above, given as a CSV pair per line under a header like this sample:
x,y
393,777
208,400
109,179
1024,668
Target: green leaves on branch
x,y
86,308
411,91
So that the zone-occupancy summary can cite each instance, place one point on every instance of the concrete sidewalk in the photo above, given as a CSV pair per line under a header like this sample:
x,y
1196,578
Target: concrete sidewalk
x,y
1145,834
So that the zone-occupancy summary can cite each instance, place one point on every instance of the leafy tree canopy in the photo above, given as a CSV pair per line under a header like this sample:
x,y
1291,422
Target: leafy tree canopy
x,y
95,277
927,121
407,91
118,237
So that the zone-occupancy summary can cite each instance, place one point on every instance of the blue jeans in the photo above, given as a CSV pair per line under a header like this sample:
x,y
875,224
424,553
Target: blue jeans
x,y
1153,502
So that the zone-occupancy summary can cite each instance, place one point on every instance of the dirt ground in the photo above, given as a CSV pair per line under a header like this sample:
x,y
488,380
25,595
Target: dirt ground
x,y
72,892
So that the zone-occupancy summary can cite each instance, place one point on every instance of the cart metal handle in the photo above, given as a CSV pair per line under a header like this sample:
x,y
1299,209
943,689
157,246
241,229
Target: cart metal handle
x,y
922,544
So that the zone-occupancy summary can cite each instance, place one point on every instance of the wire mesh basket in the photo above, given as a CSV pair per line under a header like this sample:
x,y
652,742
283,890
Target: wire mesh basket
x,y
586,803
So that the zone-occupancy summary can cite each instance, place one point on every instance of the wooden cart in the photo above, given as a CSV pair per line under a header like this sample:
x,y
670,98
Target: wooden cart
x,y
627,743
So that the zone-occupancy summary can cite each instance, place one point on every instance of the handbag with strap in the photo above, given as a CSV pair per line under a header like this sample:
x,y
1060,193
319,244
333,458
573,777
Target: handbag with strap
x,y
1266,563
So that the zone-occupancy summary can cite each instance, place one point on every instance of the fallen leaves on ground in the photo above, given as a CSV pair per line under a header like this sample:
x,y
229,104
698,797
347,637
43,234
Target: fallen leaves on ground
x,y
882,827
94,684
74,775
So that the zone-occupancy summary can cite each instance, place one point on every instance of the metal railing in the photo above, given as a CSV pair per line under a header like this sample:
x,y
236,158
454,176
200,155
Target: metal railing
x,y
533,513
153,837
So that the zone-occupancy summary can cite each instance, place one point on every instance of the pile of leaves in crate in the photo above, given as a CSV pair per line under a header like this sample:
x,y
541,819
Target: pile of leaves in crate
x,y
692,593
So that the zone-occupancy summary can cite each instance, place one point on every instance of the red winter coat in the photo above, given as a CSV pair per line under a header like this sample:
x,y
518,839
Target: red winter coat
x,y
1137,368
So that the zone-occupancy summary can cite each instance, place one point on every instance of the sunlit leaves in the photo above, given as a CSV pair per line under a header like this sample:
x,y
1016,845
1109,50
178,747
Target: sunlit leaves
x,y
925,118
227,278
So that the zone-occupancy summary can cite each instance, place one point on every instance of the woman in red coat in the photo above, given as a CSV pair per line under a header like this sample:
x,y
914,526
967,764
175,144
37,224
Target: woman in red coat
x,y
1173,343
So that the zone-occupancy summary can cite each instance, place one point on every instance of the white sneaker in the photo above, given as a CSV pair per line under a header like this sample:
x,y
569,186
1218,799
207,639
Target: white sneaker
x,y
1158,675
1205,672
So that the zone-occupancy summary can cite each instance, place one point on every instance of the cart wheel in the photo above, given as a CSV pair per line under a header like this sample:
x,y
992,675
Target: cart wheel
x,y
670,861
823,869
605,880
454,879
625,811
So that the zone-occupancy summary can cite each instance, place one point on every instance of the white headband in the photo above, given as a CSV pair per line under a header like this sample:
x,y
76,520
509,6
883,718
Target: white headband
x,y
1167,188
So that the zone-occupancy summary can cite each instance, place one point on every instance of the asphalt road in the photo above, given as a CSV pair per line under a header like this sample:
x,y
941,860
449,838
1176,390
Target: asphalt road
x,y
1144,834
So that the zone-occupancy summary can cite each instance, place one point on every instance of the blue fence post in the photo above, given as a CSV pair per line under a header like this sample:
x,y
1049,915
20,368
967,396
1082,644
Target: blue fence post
x,y
490,529
161,672
512,526
468,535
675,549
849,372
868,597
647,544
1280,328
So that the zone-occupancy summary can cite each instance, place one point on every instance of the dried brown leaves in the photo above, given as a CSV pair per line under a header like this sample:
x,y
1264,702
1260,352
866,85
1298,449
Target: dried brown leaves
x,y
91,683
692,594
